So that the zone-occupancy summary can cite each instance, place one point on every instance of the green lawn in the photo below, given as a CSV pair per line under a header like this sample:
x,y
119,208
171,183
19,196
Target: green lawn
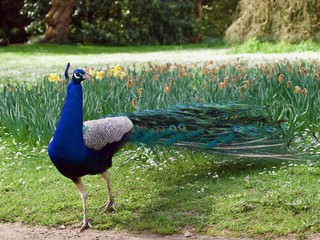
x,y
213,195
31,62
23,62
162,192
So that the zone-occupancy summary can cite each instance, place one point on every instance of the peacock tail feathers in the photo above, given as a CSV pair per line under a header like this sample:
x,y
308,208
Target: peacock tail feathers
x,y
230,128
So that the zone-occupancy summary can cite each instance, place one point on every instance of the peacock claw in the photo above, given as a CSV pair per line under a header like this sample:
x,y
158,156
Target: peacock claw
x,y
84,225
109,206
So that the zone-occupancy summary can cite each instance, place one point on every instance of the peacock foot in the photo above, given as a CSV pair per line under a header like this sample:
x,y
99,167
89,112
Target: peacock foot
x,y
109,206
84,225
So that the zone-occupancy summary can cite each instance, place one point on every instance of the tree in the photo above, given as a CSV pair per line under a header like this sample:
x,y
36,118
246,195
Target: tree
x,y
58,20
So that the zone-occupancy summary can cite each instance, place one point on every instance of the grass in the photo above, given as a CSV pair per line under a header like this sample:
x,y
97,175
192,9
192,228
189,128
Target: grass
x,y
29,62
209,194
79,49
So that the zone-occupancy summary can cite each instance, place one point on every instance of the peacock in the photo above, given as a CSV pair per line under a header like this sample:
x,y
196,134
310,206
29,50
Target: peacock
x,y
80,148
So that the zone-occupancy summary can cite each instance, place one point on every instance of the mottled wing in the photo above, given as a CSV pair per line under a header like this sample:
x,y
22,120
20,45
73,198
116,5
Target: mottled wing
x,y
99,133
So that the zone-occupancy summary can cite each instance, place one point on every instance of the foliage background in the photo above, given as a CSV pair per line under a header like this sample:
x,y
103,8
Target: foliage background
x,y
126,22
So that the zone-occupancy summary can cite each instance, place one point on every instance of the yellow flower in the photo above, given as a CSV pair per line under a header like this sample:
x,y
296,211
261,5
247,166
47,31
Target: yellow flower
x,y
116,71
100,75
92,72
110,72
52,77
117,68
116,74
122,75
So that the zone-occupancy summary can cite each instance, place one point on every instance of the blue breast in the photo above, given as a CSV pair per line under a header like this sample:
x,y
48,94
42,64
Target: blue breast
x,y
67,150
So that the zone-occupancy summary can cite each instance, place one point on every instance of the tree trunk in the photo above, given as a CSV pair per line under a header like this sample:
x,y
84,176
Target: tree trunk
x,y
198,37
199,9
58,21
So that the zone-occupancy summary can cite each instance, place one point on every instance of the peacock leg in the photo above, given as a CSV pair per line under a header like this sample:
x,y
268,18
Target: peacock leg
x,y
110,203
85,224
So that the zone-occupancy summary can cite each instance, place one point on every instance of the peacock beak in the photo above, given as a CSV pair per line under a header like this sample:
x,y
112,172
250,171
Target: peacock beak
x,y
86,76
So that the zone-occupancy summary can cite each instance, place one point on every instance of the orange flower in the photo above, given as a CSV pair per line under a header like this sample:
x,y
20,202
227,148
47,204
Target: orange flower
x,y
134,103
167,89
130,83
238,67
297,89
156,77
140,90
212,71
241,90
234,79
214,78
280,78
226,81
304,92
221,85
204,71
289,84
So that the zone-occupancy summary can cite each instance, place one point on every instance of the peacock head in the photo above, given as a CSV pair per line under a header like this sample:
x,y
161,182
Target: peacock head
x,y
79,75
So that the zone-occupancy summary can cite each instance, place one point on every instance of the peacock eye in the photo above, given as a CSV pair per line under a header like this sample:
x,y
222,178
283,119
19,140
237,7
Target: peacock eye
x,y
182,127
173,128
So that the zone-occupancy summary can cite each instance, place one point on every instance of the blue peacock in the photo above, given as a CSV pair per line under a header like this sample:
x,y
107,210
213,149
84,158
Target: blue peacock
x,y
80,148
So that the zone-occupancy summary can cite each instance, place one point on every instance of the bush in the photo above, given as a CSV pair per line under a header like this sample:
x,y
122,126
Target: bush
x,y
12,23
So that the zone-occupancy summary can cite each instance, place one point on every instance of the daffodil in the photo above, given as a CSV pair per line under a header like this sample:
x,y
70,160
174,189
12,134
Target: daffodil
x,y
122,75
117,68
116,71
116,74
92,72
52,77
110,72
100,75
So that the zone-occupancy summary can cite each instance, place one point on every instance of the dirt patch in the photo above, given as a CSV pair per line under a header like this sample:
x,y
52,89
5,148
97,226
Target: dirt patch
x,y
18,231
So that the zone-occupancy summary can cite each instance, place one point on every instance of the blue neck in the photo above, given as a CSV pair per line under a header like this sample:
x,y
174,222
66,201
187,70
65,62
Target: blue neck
x,y
68,137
